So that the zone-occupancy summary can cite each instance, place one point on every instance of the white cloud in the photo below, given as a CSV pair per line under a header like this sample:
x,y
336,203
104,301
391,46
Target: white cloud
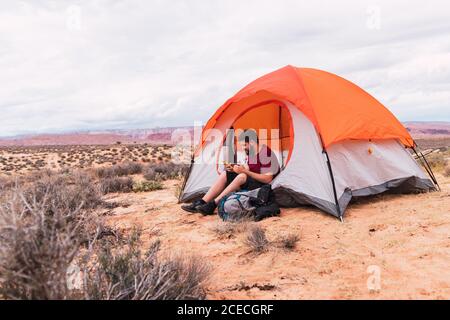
x,y
75,65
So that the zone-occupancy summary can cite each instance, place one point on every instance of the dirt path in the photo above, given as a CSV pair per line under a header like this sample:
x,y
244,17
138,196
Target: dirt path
x,y
404,237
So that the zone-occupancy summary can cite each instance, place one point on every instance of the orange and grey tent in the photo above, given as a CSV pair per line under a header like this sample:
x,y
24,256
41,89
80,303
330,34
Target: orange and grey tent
x,y
334,141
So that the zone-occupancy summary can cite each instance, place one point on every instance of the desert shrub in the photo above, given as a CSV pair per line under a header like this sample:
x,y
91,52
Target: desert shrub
x,y
146,186
39,237
116,184
6,183
132,167
178,190
86,191
227,230
150,174
119,170
436,160
256,239
447,171
128,274
73,190
288,242
164,171
102,234
43,174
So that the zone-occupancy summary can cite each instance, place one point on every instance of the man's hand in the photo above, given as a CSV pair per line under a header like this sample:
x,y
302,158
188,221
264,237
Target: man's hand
x,y
239,169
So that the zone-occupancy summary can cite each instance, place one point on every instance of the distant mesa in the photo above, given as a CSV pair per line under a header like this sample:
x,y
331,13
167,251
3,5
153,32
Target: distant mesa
x,y
426,130
418,129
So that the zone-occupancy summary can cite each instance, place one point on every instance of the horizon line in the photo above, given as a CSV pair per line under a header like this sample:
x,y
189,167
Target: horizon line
x,y
94,130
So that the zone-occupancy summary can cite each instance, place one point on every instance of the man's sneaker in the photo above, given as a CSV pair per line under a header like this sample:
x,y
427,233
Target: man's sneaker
x,y
193,207
207,208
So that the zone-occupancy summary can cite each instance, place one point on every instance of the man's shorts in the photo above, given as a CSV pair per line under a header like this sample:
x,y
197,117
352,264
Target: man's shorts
x,y
250,184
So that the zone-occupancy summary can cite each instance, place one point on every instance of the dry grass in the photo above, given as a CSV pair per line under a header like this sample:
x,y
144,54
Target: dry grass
x,y
73,190
437,160
48,223
288,242
228,230
6,183
128,274
41,230
256,239
447,171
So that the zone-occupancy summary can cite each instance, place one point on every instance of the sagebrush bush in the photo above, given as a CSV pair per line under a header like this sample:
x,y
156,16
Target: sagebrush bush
x,y
447,171
40,240
119,170
146,186
40,234
227,230
128,274
288,242
6,183
256,239
178,189
73,190
164,171
116,184
45,221
436,160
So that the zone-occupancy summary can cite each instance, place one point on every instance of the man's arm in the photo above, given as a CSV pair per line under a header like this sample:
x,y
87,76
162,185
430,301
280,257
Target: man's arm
x,y
264,178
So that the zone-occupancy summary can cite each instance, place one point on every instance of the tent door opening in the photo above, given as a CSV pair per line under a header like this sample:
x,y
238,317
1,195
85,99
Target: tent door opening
x,y
273,124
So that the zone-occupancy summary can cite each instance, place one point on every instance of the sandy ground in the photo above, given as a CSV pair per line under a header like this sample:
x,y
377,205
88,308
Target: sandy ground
x,y
402,240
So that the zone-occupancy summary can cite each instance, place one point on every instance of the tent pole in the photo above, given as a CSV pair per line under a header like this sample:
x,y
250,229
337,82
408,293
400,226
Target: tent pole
x,y
427,166
280,134
186,176
431,171
423,164
338,208
427,169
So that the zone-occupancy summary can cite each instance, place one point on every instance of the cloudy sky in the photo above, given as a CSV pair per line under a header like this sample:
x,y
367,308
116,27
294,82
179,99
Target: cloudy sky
x,y
107,64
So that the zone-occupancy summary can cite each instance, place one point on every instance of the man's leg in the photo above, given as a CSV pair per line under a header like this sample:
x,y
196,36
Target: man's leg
x,y
233,186
216,188
209,207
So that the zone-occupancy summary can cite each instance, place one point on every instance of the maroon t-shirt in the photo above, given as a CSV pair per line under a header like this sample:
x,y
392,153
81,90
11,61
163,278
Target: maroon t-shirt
x,y
264,162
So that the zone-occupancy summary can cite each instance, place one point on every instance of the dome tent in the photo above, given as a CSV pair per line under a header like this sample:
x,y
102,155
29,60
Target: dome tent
x,y
335,141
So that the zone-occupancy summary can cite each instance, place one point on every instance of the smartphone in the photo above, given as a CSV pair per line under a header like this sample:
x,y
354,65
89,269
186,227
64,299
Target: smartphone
x,y
229,166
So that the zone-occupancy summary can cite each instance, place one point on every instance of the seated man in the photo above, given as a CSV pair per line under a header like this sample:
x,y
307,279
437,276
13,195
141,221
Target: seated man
x,y
260,168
